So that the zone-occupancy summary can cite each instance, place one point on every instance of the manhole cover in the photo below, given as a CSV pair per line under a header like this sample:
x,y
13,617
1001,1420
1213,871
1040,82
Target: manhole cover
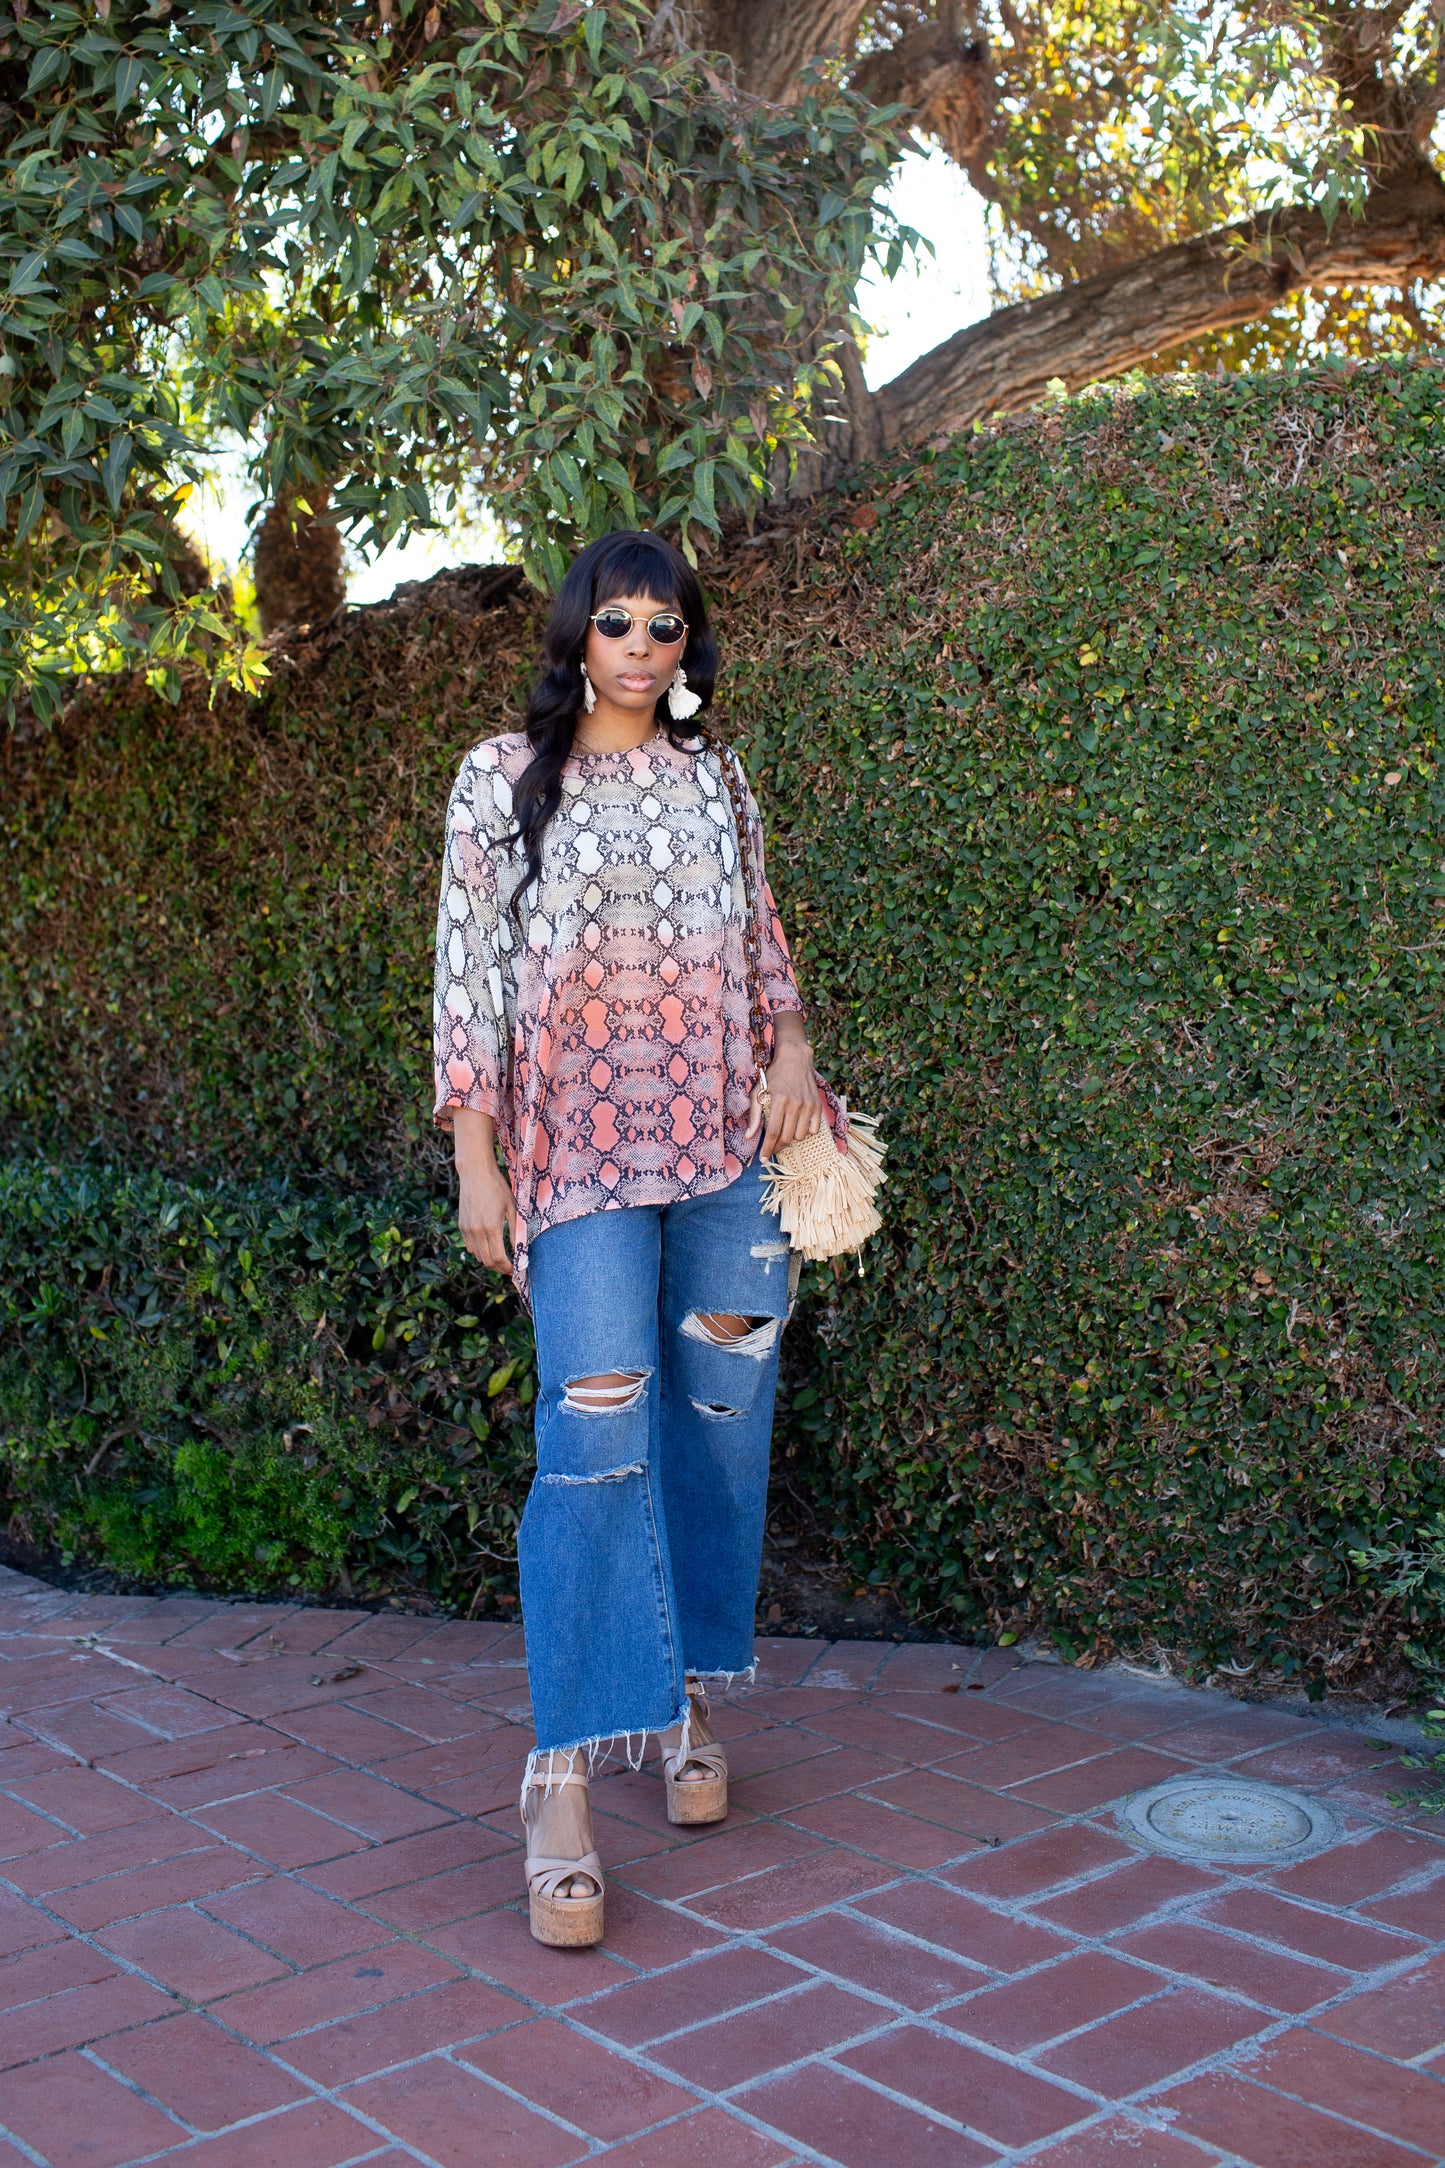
x,y
1225,1818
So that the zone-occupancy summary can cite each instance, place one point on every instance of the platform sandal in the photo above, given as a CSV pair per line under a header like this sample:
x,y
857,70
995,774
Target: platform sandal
x,y
563,1923
701,1798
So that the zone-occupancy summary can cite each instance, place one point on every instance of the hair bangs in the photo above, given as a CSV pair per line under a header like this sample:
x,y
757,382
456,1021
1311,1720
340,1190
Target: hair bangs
x,y
635,566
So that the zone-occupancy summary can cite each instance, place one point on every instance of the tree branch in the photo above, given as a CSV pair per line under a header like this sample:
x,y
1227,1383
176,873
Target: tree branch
x,y
1121,318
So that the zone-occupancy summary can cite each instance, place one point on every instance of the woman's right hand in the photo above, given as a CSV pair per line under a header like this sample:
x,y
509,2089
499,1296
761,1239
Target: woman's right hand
x,y
486,1209
487,1214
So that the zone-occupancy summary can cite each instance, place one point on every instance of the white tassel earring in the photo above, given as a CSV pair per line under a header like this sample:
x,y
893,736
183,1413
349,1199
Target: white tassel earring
x,y
680,702
589,695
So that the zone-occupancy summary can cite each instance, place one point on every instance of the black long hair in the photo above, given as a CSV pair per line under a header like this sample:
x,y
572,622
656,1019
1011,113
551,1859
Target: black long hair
x,y
619,564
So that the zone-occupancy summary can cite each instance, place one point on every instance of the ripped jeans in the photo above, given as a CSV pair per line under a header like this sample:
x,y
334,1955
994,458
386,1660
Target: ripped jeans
x,y
642,1538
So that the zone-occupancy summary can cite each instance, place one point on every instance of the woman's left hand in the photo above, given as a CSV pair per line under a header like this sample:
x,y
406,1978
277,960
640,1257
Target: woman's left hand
x,y
795,1109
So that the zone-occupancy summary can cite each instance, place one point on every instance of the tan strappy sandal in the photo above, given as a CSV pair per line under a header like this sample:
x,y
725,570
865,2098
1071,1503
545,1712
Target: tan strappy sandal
x,y
703,1798
563,1923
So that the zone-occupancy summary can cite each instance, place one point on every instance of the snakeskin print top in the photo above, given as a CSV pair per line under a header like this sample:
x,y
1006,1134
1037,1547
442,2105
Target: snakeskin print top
x,y
607,1033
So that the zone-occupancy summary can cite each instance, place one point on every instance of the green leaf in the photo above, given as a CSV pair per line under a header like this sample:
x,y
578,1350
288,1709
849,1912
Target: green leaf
x,y
115,466
129,76
32,504
51,63
28,276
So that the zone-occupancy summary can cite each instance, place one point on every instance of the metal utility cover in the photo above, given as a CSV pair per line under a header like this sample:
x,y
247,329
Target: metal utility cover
x,y
1222,1819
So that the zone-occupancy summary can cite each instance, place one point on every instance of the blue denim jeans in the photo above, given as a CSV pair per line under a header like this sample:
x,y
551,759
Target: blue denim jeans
x,y
642,1537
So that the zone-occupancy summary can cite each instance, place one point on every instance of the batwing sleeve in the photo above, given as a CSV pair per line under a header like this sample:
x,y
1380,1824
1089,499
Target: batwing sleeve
x,y
779,983
468,1012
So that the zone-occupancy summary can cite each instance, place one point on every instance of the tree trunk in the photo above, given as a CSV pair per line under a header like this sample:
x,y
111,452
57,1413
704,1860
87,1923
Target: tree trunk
x,y
297,563
1121,318
771,41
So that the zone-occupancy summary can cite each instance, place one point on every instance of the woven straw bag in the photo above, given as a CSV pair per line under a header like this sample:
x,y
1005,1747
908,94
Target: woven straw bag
x,y
823,1197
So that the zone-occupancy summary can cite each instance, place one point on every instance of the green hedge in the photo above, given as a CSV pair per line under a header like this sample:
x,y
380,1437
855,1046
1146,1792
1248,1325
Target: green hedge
x,y
1100,756
216,948
256,1390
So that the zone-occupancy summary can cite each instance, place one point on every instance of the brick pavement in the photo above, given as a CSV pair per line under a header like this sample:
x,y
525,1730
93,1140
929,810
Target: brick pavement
x,y
259,1883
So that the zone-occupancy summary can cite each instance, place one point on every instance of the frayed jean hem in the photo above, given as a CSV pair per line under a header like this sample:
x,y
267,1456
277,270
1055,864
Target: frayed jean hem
x,y
601,1750
630,1745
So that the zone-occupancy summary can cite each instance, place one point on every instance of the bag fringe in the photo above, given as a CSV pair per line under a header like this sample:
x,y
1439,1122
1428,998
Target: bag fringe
x,y
823,1197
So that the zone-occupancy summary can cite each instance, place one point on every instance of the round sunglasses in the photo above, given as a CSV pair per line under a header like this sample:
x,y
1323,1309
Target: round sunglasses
x,y
666,627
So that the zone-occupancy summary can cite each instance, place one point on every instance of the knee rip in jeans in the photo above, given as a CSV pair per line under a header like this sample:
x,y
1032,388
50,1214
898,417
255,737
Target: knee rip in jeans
x,y
603,1475
713,1411
725,1329
610,1392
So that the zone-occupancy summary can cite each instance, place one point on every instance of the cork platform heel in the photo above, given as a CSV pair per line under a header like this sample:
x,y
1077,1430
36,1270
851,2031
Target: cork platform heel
x,y
562,1922
702,1797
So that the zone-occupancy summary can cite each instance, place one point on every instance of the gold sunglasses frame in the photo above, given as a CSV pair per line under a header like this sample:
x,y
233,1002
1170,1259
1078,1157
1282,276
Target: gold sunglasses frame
x,y
615,609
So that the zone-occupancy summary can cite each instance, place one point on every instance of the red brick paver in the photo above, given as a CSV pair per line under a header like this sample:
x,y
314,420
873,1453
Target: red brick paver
x,y
198,2072
1248,2123
260,1908
847,2122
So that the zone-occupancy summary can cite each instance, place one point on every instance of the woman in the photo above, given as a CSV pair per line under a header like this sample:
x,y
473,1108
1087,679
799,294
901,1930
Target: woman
x,y
592,1013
